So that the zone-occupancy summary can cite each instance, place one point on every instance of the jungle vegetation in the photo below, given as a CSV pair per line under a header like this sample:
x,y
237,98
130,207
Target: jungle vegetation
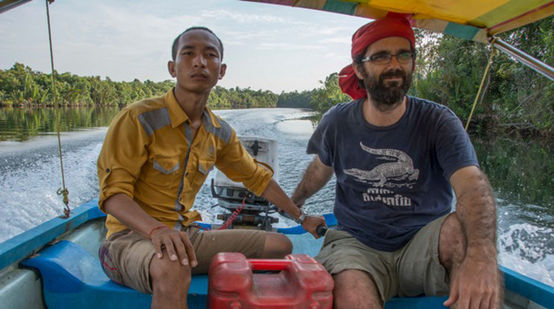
x,y
448,71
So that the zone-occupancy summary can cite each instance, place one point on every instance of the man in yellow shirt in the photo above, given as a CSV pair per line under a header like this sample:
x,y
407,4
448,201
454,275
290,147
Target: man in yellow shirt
x,y
156,156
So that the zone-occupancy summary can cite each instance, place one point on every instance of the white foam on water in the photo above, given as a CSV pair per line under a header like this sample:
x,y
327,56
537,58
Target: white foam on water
x,y
296,127
528,249
30,179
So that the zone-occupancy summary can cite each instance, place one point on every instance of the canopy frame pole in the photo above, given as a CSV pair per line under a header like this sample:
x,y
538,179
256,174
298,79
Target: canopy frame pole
x,y
491,56
527,60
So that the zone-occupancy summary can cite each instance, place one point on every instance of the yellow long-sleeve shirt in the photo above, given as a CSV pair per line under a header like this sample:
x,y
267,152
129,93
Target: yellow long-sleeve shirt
x,y
150,155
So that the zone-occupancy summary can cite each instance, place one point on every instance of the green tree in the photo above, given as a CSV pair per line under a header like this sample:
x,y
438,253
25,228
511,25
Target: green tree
x,y
449,71
328,95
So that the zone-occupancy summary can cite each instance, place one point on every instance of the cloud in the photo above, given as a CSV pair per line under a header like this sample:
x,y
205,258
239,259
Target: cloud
x,y
330,55
244,18
289,46
336,40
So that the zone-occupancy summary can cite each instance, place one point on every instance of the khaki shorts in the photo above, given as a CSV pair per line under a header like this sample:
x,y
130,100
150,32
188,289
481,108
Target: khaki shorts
x,y
410,271
126,255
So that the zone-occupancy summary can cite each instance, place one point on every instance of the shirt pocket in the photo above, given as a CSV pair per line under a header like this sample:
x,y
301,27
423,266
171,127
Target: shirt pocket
x,y
166,166
204,167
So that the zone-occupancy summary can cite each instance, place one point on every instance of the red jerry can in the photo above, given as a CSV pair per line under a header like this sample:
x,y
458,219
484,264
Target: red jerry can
x,y
297,281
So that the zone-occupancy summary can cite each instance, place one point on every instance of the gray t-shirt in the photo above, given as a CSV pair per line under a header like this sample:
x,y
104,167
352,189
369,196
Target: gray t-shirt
x,y
391,181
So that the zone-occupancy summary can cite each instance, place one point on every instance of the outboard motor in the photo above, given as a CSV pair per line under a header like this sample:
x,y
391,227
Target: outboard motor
x,y
247,210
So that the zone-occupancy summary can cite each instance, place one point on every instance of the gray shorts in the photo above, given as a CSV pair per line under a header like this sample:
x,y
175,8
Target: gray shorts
x,y
126,255
410,271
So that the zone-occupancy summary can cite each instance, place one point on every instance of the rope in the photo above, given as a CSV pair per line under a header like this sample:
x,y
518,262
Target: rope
x,y
63,190
493,52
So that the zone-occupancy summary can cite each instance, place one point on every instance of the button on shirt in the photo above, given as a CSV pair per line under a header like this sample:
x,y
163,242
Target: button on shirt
x,y
150,155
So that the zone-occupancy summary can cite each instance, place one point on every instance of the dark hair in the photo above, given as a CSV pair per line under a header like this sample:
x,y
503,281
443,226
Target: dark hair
x,y
176,41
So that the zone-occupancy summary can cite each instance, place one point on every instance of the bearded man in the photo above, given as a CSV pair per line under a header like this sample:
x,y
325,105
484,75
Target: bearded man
x,y
396,159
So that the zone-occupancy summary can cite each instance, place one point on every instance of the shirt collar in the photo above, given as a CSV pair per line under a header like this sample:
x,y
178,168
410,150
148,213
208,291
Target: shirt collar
x,y
178,115
210,116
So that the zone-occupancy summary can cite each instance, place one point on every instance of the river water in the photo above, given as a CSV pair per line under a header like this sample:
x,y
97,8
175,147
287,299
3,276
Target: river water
x,y
521,174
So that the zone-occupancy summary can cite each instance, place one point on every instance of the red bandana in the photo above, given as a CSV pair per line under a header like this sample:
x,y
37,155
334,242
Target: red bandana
x,y
365,36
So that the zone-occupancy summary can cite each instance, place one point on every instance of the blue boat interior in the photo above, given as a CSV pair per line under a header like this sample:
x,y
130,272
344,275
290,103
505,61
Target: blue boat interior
x,y
73,277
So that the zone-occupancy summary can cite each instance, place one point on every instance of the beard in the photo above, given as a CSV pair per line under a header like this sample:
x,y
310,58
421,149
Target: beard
x,y
387,95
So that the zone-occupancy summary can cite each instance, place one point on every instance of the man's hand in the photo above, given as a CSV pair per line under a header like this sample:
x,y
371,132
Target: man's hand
x,y
311,223
475,284
175,243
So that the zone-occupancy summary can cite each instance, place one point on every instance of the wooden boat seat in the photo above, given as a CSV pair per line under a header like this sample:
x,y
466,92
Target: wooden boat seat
x,y
72,278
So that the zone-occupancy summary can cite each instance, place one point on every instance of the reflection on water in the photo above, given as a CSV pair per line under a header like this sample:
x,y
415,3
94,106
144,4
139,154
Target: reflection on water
x,y
521,172
20,124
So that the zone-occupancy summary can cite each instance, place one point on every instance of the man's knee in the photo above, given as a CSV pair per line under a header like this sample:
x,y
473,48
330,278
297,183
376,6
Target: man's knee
x,y
276,245
355,289
452,242
166,275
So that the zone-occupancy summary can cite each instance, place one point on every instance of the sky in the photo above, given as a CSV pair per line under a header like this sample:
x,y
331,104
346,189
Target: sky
x,y
268,47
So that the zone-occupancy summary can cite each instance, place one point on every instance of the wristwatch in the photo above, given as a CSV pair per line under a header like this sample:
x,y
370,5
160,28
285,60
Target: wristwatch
x,y
301,218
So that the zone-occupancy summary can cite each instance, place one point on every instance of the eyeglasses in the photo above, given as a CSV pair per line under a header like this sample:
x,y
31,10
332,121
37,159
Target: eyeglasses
x,y
402,57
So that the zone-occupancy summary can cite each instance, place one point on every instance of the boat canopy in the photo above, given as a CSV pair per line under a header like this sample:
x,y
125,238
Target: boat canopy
x,y
468,19
10,4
